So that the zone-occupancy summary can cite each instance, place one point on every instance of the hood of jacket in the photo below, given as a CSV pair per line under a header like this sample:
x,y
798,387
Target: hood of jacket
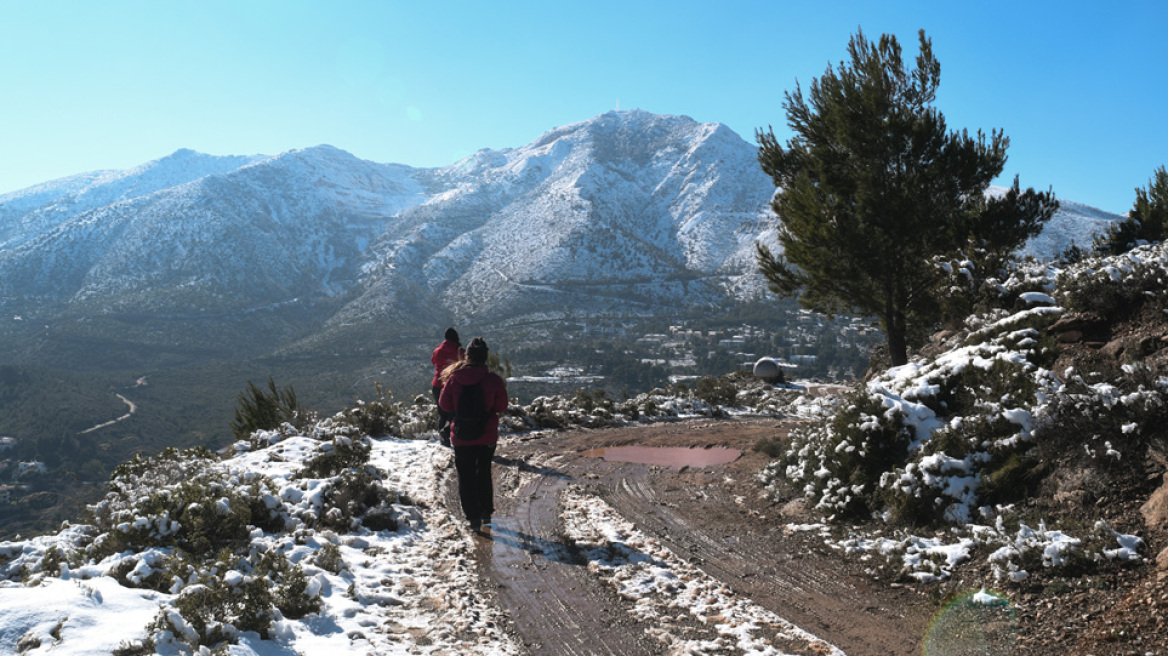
x,y
470,374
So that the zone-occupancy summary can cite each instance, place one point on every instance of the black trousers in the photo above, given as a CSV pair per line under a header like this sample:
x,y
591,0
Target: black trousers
x,y
443,418
476,491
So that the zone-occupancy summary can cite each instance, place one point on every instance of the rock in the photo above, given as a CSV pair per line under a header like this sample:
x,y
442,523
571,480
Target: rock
x,y
1080,322
799,508
1162,560
1155,510
1070,336
1148,346
1113,349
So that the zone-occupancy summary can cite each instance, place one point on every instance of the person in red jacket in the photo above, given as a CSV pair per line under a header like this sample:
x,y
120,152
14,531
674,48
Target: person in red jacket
x,y
472,457
447,353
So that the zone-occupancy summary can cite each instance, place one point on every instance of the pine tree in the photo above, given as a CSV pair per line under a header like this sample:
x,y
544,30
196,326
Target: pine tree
x,y
873,186
1147,220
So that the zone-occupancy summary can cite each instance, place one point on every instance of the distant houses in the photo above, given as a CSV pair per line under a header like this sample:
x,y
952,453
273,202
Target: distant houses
x,y
31,467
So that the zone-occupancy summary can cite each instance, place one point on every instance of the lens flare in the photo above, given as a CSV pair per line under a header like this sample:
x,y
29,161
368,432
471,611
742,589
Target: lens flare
x,y
982,623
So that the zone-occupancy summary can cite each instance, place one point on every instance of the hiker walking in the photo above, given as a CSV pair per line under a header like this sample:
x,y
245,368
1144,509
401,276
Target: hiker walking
x,y
448,352
475,396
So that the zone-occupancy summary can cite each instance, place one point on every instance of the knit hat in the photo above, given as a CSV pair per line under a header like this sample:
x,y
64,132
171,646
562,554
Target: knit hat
x,y
477,351
451,335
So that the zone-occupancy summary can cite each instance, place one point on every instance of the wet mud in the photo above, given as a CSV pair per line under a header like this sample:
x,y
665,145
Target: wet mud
x,y
711,514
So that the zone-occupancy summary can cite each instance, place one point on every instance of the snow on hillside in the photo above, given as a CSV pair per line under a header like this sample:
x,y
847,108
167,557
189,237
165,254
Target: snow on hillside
x,y
29,212
627,207
625,212
386,592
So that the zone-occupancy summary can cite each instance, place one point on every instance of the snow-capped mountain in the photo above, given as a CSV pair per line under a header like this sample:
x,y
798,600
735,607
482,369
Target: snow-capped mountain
x,y
627,211
255,232
29,212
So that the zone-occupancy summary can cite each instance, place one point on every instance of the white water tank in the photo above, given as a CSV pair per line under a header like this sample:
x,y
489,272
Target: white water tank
x,y
768,369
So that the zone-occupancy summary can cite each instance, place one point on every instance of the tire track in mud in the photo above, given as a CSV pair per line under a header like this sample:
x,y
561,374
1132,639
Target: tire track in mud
x,y
556,605
814,598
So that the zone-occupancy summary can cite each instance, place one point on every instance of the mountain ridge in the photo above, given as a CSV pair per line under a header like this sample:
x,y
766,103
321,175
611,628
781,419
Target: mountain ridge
x,y
626,212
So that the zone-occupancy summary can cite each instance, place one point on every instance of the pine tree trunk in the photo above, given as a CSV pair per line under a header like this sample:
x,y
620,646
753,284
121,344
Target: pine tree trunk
x,y
896,332
897,346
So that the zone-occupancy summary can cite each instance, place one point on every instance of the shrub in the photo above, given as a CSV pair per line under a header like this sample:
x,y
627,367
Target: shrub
x,y
235,595
841,464
183,499
1115,286
1105,425
717,391
337,455
1147,221
377,418
329,558
260,410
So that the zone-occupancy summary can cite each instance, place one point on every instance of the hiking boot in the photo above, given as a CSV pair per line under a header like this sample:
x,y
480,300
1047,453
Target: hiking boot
x,y
476,525
486,519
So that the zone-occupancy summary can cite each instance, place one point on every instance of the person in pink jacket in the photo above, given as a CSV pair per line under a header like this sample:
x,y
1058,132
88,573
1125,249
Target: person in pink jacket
x,y
447,353
473,454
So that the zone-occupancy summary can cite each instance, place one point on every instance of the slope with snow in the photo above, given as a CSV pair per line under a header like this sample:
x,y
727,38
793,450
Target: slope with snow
x,y
625,212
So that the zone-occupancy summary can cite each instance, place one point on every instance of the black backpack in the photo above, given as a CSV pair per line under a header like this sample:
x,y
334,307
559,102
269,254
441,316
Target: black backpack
x,y
470,418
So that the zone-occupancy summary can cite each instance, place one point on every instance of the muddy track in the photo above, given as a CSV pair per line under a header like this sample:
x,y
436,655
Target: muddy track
x,y
755,564
713,517
556,606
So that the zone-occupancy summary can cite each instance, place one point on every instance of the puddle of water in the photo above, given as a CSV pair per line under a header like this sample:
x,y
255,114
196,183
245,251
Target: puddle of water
x,y
667,456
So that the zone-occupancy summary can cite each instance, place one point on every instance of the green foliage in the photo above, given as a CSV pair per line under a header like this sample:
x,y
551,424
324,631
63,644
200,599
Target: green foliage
x,y
329,558
1012,478
971,283
873,185
717,391
353,489
1146,222
214,608
499,365
842,464
595,402
259,410
1115,287
773,446
179,498
377,418
1107,425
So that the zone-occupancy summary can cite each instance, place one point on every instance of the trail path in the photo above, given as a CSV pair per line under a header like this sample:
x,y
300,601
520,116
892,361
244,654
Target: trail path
x,y
712,517
129,404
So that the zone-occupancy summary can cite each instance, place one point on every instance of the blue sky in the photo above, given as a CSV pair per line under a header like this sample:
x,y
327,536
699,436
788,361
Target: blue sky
x,y
1081,88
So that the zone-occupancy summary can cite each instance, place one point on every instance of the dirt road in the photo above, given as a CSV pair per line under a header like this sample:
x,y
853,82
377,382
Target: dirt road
x,y
713,517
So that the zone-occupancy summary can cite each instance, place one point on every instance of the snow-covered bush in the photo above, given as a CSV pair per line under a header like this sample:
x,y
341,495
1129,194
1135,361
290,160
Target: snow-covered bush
x,y
383,416
1116,285
840,464
340,453
986,281
977,424
182,499
917,443
1107,424
233,595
